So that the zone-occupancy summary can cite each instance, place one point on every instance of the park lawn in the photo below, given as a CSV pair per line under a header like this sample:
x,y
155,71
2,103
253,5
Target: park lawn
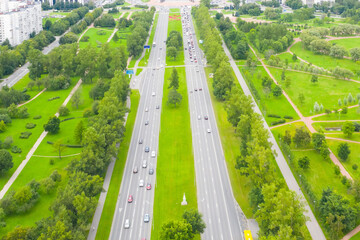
x,y
22,84
326,91
132,62
116,15
354,157
324,61
52,20
354,137
40,106
175,25
174,10
60,13
123,35
138,71
104,227
347,43
268,103
320,126
352,114
143,62
95,39
288,56
126,14
356,236
175,164
230,143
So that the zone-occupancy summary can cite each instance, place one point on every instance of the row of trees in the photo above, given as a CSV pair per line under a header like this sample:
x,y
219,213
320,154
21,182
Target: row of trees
x,y
88,19
106,20
60,26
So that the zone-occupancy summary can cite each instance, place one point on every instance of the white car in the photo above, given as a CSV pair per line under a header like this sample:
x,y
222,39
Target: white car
x,y
153,154
141,183
209,130
146,109
127,223
153,94
144,165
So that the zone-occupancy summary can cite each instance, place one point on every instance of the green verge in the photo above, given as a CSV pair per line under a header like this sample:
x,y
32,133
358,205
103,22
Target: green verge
x,y
95,39
175,25
175,164
138,71
326,91
114,187
324,61
230,143
356,237
174,10
143,62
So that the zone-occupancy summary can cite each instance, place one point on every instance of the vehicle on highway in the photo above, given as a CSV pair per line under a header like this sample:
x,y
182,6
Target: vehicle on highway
x,y
200,89
151,171
153,154
130,199
141,183
199,117
154,44
157,106
195,89
146,218
144,164
247,235
148,186
147,122
153,94
140,141
209,130
147,149
127,223
146,109
206,117
135,170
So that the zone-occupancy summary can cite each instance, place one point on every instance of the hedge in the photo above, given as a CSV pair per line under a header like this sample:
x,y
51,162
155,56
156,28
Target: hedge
x,y
30,125
25,135
66,145
274,116
278,122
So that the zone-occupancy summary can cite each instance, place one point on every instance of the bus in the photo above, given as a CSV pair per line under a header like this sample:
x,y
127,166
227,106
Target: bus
x,y
247,235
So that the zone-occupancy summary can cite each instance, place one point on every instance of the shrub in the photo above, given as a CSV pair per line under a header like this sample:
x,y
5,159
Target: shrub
x,y
278,122
355,167
51,161
30,125
53,125
37,117
64,111
16,149
337,170
7,142
5,118
288,117
25,135
85,39
274,116
125,8
53,98
67,119
87,113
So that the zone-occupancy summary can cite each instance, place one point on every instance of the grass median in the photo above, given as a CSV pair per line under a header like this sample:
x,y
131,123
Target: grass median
x,y
175,25
114,187
175,172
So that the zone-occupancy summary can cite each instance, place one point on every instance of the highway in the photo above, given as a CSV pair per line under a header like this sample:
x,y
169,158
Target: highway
x,y
152,80
223,217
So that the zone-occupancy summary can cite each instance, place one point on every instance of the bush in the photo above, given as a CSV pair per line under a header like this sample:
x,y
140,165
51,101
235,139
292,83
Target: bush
x,y
16,149
37,117
53,98
87,113
25,135
51,161
355,167
67,119
85,39
125,8
64,111
30,125
141,6
288,117
7,142
277,122
337,170
274,116
5,118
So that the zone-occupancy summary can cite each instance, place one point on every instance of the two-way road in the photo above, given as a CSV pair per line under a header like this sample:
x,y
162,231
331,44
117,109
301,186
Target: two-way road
x,y
151,91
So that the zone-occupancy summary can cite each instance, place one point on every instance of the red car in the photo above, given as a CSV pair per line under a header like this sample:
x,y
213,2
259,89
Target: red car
x,y
130,199
148,186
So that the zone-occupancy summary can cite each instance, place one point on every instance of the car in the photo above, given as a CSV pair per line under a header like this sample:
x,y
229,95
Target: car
x,y
130,199
191,59
191,91
195,89
147,149
127,223
206,117
146,109
157,106
197,70
148,186
140,141
141,183
153,154
185,48
144,164
199,117
151,171
200,89
135,170
160,48
209,130
195,61
153,94
146,218
147,122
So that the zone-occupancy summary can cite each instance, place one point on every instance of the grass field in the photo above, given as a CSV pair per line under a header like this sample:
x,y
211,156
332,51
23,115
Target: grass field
x,y
324,61
326,91
351,115
288,56
20,85
104,228
144,60
354,157
268,103
40,106
355,136
356,237
51,19
138,71
175,164
230,143
175,25
347,43
123,35
60,13
320,126
95,39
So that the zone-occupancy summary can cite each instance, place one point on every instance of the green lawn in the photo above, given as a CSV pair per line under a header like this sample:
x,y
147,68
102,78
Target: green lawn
x,y
144,60
355,136
40,106
175,164
95,39
356,237
22,84
326,91
174,10
138,71
288,56
351,115
123,35
268,103
348,43
52,20
104,228
324,61
230,143
354,157
175,25
60,13
320,126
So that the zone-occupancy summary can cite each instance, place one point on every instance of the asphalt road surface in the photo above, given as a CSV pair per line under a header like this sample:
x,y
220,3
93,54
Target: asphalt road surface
x,y
143,200
223,217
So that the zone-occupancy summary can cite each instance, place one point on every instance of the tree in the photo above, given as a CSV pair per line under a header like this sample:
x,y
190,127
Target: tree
x,y
37,63
174,97
348,128
294,4
68,38
48,24
59,147
301,98
294,57
53,125
287,137
171,52
355,54
115,38
277,92
335,225
342,73
343,151
223,81
337,51
344,110
237,105
194,218
314,78
2,126
178,230
6,161
304,162
63,111
78,132
31,84
236,3
2,218
302,137
174,79
317,140
76,99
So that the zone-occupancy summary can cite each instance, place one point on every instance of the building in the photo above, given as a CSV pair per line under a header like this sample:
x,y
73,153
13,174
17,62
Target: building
x,y
18,19
52,2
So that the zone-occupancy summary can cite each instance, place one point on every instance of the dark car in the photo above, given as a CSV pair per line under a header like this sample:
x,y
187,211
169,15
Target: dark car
x,y
140,141
206,117
147,149
135,170
147,122
151,171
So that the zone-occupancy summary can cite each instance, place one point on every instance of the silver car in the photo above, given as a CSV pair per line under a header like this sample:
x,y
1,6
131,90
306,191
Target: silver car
x,y
141,183
146,218
127,223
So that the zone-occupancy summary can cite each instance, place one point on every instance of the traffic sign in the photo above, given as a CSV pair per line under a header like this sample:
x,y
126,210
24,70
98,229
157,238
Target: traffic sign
x,y
147,46
129,71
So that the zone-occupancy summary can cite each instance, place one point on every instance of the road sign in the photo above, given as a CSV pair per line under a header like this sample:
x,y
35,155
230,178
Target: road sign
x,y
147,46
129,71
